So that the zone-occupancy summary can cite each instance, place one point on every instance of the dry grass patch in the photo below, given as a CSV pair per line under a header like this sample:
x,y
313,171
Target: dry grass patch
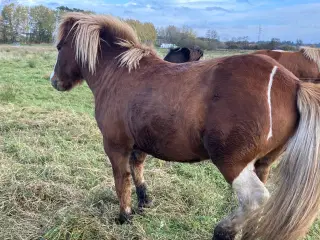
x,y
56,183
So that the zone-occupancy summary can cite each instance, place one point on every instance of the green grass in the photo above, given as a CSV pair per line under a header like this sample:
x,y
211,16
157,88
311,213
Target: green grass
x,y
55,182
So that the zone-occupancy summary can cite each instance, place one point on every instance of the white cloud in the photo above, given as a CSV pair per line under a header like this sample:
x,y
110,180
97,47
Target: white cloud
x,y
228,17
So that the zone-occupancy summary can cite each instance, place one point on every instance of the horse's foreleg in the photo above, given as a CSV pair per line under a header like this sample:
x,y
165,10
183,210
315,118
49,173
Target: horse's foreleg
x,y
251,194
137,159
121,172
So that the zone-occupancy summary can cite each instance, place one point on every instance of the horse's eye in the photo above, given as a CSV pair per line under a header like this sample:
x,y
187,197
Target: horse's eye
x,y
59,47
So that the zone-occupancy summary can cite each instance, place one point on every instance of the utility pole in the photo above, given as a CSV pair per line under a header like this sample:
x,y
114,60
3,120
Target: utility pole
x,y
259,33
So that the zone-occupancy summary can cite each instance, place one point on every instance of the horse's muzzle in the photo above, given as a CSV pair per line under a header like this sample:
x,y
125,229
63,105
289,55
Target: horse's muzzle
x,y
57,85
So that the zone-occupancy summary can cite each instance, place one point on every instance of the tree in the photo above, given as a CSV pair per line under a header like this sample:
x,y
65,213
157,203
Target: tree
x,y
173,34
7,23
66,9
42,22
238,43
20,22
161,32
146,31
151,33
187,37
212,38
1,29
62,10
14,22
188,32
275,43
299,43
212,35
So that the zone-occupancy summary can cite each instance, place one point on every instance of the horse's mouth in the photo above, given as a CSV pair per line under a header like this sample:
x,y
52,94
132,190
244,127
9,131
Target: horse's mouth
x,y
58,85
61,86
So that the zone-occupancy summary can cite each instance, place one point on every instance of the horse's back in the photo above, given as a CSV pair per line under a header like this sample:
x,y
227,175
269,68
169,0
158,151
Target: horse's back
x,y
300,66
296,62
274,54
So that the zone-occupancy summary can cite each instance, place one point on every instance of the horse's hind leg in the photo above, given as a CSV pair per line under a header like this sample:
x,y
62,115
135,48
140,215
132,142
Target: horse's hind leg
x,y
263,165
251,194
235,155
137,160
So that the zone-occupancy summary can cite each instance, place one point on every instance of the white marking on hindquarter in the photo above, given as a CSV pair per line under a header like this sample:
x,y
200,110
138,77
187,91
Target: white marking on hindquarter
x,y
250,190
274,70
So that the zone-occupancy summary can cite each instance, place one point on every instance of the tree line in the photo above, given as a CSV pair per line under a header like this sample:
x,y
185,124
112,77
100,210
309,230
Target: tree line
x,y
186,37
36,24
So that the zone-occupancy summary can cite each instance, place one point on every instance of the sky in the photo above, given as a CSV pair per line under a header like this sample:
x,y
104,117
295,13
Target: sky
x,y
284,19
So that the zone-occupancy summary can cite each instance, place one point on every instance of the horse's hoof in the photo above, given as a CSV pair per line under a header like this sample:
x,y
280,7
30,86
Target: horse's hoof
x,y
145,203
124,218
223,234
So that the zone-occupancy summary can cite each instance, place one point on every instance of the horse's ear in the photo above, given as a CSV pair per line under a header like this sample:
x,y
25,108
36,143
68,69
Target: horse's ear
x,y
186,52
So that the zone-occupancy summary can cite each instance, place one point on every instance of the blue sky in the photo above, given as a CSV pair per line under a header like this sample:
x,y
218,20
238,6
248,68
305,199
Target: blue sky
x,y
284,19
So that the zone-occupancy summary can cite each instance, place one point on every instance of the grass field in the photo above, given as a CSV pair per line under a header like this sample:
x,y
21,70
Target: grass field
x,y
55,183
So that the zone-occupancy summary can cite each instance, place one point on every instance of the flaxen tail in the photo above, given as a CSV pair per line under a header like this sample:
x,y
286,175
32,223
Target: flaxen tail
x,y
294,205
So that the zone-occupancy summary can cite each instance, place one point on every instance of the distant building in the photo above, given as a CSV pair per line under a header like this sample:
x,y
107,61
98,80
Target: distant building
x,y
168,45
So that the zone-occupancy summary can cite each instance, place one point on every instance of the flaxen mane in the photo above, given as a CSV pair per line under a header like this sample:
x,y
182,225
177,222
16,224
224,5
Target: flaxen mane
x,y
312,54
87,39
131,58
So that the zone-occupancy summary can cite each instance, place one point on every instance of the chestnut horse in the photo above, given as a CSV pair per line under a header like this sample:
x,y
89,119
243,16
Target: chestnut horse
x,y
181,55
241,112
305,63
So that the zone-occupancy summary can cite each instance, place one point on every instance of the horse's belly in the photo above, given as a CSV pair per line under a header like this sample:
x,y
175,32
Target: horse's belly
x,y
177,155
171,145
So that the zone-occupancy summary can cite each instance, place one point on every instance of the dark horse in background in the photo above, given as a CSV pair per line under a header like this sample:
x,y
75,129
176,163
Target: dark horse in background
x,y
241,112
184,54
304,64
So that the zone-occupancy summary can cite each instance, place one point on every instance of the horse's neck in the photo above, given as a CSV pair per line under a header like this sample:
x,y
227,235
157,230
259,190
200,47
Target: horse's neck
x,y
104,71
104,77
111,72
